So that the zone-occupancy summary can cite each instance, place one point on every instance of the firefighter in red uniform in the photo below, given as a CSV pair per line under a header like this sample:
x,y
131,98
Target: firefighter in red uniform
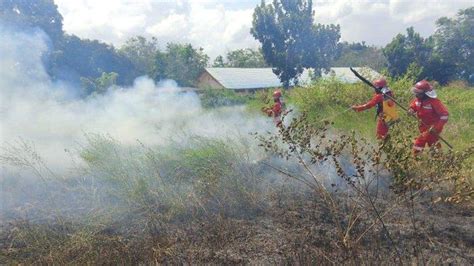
x,y
386,109
276,110
431,113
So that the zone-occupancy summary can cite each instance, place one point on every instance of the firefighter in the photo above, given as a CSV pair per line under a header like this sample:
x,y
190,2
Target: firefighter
x,y
277,109
386,111
431,113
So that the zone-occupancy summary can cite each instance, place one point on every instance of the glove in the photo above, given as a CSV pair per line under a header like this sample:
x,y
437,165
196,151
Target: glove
x,y
411,112
357,108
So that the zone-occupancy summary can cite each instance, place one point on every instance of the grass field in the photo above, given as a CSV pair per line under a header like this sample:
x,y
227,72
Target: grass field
x,y
329,99
308,197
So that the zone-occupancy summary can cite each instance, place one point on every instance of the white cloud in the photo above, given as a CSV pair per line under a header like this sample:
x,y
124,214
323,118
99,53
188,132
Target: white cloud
x,y
110,21
220,26
168,28
216,28
377,22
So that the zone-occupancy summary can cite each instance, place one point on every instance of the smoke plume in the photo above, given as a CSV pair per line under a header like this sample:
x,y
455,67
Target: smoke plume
x,y
36,109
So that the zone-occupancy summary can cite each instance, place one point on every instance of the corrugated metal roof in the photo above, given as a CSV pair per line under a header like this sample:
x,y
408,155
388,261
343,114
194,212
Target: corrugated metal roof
x,y
256,78
245,78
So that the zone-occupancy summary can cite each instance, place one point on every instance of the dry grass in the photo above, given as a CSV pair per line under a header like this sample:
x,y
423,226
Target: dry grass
x,y
316,198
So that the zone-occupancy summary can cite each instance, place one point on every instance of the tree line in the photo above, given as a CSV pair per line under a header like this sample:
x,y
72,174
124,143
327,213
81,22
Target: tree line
x,y
290,42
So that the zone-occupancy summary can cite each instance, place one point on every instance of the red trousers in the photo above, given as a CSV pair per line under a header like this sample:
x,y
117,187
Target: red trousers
x,y
382,128
423,139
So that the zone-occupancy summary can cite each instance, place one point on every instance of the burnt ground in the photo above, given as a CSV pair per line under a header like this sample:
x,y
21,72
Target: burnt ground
x,y
297,230
304,234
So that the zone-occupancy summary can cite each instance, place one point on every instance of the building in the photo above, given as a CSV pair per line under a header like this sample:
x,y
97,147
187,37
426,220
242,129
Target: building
x,y
251,79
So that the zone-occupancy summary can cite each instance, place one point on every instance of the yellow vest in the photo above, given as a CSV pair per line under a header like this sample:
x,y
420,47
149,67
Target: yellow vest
x,y
390,113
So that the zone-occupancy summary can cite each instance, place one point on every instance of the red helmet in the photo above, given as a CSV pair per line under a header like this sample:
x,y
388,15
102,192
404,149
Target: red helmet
x,y
277,94
380,83
423,86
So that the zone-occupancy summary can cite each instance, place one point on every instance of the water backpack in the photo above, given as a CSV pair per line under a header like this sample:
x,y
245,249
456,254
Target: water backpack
x,y
388,108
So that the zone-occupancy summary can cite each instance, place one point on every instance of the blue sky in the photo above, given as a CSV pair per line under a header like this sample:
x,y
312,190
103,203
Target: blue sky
x,y
223,25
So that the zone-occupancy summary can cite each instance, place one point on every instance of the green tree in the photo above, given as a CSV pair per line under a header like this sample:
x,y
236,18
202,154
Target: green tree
x,y
359,54
180,62
454,43
247,58
100,84
141,53
70,57
290,39
33,13
244,58
89,58
219,61
405,50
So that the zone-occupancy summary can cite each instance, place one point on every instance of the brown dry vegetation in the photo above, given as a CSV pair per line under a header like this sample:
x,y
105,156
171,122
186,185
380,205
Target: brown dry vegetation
x,y
316,195
212,205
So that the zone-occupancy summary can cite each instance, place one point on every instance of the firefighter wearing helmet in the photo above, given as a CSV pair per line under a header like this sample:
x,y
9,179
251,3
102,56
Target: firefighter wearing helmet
x,y
431,113
386,111
276,110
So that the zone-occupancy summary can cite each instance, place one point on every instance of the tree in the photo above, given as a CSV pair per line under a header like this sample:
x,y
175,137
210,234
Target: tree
x,y
33,13
70,57
246,58
219,61
405,50
181,62
141,53
290,39
77,58
99,85
454,43
446,55
359,54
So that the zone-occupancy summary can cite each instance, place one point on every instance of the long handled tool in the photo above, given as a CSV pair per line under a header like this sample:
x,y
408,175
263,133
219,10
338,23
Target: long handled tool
x,y
395,101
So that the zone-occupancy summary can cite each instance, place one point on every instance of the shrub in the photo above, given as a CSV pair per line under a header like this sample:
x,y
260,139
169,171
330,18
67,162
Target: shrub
x,y
212,98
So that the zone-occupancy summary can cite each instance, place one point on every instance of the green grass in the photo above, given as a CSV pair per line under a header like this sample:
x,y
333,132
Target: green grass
x,y
328,99
213,98
460,103
194,199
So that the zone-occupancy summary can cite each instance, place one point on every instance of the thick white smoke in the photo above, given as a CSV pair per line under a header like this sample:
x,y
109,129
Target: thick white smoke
x,y
36,109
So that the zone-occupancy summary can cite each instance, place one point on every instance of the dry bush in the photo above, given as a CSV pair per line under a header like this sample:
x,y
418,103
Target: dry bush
x,y
459,84
378,183
344,201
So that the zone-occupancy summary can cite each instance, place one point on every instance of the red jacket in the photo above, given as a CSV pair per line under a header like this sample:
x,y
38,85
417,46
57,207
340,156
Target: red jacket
x,y
431,112
377,98
277,109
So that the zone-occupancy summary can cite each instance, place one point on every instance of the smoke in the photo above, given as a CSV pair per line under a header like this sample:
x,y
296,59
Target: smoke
x,y
36,109
40,119
44,130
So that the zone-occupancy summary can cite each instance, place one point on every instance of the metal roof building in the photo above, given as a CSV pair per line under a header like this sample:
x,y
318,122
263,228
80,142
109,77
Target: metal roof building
x,y
238,78
249,79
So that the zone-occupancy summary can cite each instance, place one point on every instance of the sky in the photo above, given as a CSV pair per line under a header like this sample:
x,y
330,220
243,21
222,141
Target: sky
x,y
220,26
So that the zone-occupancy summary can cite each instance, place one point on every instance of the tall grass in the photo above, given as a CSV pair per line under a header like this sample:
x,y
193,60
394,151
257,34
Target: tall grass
x,y
135,194
323,192
328,98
